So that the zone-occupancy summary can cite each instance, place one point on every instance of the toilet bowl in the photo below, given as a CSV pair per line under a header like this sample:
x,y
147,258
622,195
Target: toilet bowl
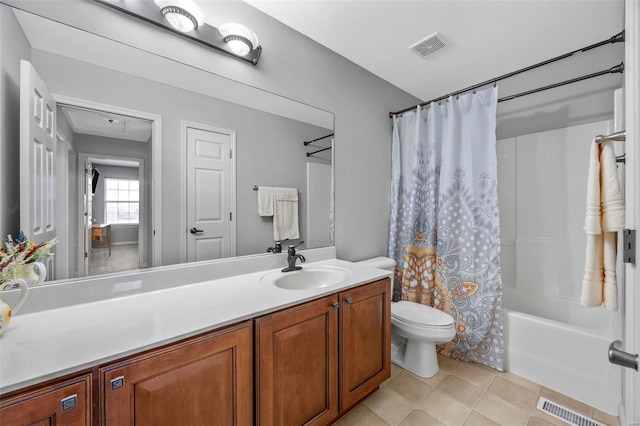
x,y
415,330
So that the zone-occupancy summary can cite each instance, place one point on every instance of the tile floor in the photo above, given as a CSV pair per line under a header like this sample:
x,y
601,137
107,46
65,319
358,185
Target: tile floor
x,y
462,393
124,257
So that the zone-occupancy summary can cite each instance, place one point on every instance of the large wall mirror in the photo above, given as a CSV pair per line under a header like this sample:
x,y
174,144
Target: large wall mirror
x,y
157,162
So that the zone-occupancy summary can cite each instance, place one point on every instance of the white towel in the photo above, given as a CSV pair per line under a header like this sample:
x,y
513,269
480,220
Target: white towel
x,y
266,200
604,217
285,214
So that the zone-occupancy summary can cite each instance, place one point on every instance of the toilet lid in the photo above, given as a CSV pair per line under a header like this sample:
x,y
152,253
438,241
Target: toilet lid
x,y
420,314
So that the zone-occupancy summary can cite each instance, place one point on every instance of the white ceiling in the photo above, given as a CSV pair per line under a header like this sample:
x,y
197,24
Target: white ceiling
x,y
486,38
98,123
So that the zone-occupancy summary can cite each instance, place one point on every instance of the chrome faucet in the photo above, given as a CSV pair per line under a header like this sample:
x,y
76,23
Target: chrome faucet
x,y
292,257
277,248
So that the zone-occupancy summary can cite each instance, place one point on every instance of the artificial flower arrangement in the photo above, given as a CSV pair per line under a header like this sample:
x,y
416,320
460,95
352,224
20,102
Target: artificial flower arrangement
x,y
20,251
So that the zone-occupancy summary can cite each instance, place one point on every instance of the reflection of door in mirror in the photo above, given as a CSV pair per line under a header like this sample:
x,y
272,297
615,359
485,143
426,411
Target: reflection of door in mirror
x,y
37,159
87,213
210,192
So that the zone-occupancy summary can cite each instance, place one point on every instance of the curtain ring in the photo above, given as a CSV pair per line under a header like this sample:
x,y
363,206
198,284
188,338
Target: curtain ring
x,y
495,84
474,91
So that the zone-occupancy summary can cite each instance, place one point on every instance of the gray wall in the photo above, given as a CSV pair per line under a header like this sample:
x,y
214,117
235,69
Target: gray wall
x,y
298,68
123,233
13,48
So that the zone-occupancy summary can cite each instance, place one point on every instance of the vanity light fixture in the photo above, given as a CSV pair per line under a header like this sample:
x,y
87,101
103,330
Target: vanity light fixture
x,y
185,18
183,15
239,38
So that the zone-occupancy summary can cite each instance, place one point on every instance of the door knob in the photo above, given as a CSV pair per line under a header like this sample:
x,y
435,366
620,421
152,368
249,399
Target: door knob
x,y
195,231
620,357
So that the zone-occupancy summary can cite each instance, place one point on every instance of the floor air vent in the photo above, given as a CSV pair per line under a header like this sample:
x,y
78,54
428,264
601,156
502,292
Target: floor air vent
x,y
564,414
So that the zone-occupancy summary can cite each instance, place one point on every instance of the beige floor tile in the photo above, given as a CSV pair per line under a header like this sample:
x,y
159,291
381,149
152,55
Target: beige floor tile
x,y
389,405
409,387
433,381
538,421
461,390
474,373
500,411
419,418
395,370
547,418
477,419
606,418
445,408
518,380
567,402
361,415
447,363
513,393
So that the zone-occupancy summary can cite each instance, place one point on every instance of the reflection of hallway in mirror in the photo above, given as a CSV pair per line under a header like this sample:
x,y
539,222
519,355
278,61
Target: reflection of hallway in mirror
x,y
124,257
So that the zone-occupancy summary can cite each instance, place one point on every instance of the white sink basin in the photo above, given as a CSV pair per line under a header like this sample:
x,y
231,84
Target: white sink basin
x,y
305,278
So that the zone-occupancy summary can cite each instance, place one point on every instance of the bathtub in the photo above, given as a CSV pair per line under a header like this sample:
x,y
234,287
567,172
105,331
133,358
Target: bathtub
x,y
567,358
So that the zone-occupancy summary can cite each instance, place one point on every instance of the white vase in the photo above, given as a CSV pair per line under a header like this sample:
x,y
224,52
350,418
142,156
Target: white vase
x,y
5,310
32,273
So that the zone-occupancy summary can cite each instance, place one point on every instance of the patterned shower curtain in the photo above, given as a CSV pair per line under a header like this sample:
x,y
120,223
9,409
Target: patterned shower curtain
x,y
445,234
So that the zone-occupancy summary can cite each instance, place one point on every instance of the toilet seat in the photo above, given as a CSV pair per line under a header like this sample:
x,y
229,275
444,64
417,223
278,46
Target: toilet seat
x,y
420,315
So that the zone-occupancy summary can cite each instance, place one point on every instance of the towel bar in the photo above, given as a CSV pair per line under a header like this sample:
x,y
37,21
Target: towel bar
x,y
617,136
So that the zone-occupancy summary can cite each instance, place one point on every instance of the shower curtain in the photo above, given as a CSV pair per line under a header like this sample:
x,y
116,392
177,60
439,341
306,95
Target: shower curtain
x,y
444,234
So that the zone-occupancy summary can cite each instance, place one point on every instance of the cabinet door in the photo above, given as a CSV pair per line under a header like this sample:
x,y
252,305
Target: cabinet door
x,y
206,380
365,340
297,365
64,403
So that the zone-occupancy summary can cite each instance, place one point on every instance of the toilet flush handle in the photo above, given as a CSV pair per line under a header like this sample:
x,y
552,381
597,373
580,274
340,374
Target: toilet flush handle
x,y
620,357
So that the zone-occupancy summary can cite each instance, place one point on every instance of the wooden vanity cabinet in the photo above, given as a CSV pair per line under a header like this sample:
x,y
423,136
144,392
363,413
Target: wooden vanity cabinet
x,y
205,380
365,340
316,360
66,402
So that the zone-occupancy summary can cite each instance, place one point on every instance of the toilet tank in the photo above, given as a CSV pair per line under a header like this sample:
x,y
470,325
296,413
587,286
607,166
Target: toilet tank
x,y
380,262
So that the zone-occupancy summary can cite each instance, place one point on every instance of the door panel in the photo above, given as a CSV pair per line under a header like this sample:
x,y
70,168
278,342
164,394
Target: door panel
x,y
297,360
37,158
209,194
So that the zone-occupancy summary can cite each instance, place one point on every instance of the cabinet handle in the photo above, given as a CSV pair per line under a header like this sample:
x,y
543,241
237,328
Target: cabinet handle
x,y
69,402
117,383
335,305
349,300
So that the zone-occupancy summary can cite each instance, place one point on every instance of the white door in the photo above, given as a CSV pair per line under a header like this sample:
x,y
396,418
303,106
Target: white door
x,y
37,159
210,200
87,214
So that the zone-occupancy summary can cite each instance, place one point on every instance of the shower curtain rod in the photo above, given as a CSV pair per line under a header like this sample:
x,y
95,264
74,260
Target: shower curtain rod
x,y
318,139
618,69
615,39
309,154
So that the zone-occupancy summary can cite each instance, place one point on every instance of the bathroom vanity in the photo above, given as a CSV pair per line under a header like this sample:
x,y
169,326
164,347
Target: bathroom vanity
x,y
235,350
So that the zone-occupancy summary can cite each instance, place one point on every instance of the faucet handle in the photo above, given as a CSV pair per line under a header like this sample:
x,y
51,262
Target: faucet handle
x,y
296,246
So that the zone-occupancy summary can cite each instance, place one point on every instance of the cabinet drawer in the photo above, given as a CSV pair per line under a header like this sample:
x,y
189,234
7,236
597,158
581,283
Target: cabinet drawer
x,y
65,403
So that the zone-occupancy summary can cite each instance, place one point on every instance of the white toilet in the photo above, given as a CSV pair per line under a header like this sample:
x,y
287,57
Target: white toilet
x,y
415,330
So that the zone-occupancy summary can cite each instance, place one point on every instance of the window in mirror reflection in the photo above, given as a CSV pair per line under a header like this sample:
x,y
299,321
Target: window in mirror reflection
x,y
121,201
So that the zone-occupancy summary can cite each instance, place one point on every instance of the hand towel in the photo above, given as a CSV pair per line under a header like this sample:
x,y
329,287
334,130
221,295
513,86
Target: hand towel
x,y
285,214
266,200
610,193
603,218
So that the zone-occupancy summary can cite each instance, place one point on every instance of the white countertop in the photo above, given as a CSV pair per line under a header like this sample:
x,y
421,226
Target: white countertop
x,y
44,345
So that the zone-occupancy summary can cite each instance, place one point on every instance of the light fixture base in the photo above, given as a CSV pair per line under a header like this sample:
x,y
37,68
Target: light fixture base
x,y
204,34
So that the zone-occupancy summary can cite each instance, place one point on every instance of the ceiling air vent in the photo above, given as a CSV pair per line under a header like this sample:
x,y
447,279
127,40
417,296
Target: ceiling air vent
x,y
429,45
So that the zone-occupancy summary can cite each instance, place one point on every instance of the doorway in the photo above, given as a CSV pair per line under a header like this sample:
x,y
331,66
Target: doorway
x,y
112,198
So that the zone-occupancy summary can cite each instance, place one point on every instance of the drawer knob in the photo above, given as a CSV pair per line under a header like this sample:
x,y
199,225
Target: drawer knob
x,y
349,300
